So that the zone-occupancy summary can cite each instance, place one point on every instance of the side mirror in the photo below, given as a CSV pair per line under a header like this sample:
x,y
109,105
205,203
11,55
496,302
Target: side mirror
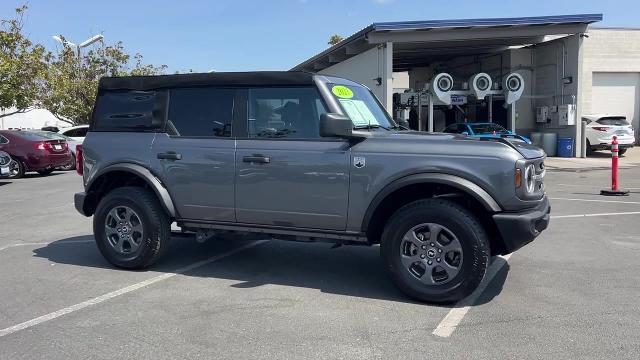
x,y
335,125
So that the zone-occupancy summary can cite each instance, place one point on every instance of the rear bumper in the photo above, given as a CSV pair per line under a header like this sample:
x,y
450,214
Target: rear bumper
x,y
608,146
47,161
519,229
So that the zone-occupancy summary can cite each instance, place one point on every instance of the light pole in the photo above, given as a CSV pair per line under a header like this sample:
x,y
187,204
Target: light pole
x,y
83,44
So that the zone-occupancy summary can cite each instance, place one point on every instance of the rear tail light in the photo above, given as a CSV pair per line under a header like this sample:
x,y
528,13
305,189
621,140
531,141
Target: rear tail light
x,y
41,146
79,160
600,128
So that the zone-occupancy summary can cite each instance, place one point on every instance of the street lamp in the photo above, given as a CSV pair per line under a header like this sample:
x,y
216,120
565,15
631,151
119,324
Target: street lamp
x,y
83,44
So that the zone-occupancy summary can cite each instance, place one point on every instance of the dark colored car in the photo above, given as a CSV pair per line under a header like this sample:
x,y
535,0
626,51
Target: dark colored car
x,y
34,152
305,157
5,163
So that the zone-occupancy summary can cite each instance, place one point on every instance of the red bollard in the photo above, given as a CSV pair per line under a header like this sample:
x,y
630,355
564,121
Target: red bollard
x,y
614,191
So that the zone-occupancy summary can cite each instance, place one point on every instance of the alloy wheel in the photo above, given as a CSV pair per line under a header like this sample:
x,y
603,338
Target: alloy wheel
x,y
431,253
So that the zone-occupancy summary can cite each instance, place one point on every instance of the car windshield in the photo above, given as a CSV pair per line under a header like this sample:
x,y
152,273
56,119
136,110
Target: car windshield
x,y
615,121
487,128
361,106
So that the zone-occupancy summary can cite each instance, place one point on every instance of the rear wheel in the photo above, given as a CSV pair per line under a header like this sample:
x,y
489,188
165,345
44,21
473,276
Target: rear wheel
x,y
131,228
589,148
435,250
45,172
622,151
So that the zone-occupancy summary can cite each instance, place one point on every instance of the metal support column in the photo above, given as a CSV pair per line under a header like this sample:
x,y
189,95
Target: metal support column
x,y
430,119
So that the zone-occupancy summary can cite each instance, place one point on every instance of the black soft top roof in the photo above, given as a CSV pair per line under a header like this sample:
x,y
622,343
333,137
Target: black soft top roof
x,y
257,78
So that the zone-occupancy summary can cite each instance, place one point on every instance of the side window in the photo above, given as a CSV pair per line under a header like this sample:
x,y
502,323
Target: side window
x,y
69,132
3,140
81,132
119,110
285,113
200,112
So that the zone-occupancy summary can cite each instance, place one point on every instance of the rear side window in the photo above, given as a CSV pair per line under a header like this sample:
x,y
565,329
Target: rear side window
x,y
3,140
285,113
123,110
615,121
204,112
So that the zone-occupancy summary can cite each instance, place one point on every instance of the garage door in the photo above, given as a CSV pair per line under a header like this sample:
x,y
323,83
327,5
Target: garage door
x,y
617,94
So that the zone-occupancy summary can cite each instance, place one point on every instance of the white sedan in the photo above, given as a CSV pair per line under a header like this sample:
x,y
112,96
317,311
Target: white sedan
x,y
601,129
77,133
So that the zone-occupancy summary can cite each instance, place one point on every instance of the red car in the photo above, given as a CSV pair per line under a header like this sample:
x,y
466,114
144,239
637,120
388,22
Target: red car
x,y
34,152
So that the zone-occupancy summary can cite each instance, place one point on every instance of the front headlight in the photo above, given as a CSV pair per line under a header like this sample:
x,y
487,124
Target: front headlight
x,y
530,178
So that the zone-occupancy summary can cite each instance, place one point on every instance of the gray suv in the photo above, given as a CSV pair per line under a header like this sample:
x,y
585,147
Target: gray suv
x,y
299,156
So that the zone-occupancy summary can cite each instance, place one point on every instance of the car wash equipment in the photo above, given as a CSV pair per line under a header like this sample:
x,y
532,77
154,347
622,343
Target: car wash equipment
x,y
614,191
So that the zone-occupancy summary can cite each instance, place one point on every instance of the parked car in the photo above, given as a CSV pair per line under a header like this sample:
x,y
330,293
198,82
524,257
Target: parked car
x,y
484,130
439,205
77,133
5,162
32,151
600,130
71,143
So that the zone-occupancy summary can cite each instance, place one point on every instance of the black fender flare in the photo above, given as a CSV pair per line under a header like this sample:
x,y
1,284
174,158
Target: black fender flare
x,y
460,183
145,174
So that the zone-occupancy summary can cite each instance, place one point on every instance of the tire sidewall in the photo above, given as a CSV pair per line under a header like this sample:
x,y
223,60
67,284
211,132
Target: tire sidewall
x,y
150,225
474,251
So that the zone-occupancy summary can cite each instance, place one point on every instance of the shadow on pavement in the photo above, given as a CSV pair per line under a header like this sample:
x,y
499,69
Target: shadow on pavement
x,y
348,270
5,183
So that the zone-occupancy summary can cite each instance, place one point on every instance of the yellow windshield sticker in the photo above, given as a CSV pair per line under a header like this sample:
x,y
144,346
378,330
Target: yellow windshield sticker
x,y
342,92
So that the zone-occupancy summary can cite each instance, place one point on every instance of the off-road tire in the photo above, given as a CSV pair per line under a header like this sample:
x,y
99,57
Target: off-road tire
x,y
470,233
155,222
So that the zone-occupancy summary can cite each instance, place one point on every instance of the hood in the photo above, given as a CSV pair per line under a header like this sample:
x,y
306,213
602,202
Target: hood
x,y
461,143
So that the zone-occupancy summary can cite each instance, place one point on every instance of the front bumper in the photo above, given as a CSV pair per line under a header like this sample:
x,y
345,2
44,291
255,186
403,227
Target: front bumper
x,y
79,200
520,228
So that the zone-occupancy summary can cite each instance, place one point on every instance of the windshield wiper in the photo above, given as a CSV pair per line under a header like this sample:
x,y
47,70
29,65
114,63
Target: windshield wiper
x,y
370,126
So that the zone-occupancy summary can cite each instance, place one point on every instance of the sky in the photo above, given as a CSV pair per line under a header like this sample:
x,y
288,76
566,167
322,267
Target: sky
x,y
246,35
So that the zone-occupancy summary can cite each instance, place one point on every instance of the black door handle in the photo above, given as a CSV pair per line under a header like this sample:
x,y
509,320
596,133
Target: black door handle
x,y
259,159
169,155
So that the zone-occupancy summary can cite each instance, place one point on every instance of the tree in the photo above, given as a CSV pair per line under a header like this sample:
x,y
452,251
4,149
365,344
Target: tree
x,y
22,66
334,39
72,81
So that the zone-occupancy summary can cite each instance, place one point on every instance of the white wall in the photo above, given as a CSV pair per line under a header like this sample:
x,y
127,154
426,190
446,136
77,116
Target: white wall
x,y
366,67
33,119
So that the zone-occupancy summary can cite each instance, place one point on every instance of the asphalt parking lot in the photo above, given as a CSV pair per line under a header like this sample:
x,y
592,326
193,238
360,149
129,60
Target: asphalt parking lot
x,y
571,294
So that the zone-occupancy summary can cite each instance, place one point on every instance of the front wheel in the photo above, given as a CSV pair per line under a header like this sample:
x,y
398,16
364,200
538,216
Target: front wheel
x,y
131,228
622,151
435,250
16,169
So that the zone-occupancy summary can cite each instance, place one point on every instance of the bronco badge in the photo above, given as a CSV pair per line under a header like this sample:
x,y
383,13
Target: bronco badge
x,y
358,162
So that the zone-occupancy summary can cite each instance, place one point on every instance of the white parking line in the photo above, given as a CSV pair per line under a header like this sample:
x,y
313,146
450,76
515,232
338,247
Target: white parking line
x,y
596,200
594,215
450,322
125,290
45,243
